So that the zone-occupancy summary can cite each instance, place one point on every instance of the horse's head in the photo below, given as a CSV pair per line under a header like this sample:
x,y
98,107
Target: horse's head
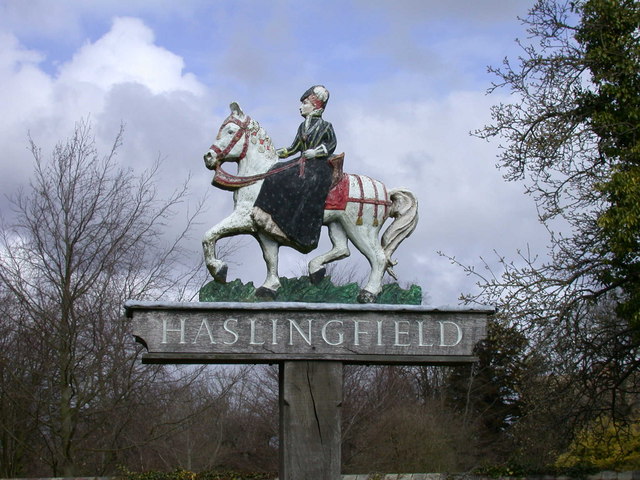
x,y
227,146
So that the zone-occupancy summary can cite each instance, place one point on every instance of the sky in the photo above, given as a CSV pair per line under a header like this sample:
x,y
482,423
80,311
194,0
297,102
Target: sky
x,y
408,82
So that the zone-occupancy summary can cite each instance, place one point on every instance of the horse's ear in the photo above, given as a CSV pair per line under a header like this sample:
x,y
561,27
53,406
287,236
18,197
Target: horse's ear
x,y
235,108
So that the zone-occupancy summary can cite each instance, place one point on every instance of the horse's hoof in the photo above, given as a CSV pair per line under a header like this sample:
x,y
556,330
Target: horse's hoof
x,y
366,297
266,293
316,277
221,275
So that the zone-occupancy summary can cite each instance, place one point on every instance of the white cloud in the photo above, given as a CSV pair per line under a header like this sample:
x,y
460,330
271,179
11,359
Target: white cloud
x,y
48,105
25,97
127,54
26,91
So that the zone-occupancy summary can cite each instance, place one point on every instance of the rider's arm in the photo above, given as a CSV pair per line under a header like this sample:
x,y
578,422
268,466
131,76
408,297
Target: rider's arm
x,y
295,147
327,144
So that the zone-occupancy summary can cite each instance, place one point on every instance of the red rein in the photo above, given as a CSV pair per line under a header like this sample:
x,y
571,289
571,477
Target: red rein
x,y
220,154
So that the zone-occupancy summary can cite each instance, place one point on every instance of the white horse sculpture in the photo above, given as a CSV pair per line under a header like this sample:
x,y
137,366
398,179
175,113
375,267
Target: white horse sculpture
x,y
368,205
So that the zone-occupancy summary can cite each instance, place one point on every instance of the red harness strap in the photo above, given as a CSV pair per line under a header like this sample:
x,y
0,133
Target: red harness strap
x,y
220,154
228,181
339,197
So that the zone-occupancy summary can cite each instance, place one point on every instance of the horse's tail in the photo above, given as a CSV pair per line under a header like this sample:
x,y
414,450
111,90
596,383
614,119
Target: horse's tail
x,y
404,211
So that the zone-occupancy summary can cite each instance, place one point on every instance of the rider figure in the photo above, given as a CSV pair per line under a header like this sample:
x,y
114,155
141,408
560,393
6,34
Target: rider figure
x,y
290,205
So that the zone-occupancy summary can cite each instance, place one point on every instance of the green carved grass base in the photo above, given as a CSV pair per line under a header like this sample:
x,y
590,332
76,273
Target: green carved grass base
x,y
302,290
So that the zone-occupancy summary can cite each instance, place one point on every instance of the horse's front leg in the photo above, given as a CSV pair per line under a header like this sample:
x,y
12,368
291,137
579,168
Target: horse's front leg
x,y
234,224
270,250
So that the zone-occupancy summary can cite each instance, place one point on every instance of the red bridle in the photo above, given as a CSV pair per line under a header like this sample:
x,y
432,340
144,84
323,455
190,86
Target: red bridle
x,y
221,154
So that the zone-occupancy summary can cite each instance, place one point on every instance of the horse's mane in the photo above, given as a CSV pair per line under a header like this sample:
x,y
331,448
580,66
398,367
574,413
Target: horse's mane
x,y
261,134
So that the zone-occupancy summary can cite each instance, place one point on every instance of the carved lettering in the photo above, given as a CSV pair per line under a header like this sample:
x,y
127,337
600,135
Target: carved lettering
x,y
418,337
401,332
228,329
458,333
357,332
421,335
252,340
166,330
274,331
294,325
340,335
204,324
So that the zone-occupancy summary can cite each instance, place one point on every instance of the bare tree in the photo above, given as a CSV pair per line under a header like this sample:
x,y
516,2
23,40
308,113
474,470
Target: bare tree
x,y
87,235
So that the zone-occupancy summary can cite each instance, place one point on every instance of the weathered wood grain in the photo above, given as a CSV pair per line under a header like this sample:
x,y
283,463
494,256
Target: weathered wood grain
x,y
310,406
268,332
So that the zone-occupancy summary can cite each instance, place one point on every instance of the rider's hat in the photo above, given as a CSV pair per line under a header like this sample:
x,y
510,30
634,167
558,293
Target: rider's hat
x,y
320,94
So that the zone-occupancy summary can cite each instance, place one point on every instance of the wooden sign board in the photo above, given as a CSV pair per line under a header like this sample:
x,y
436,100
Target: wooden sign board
x,y
201,332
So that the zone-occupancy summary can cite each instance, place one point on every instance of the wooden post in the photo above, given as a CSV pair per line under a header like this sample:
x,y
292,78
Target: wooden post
x,y
310,406
310,342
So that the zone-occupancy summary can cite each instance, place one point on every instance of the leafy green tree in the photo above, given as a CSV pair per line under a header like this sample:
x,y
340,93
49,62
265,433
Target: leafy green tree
x,y
609,35
604,445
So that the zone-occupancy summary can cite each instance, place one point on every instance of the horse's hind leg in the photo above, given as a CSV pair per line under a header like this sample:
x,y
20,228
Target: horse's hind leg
x,y
270,249
365,239
339,251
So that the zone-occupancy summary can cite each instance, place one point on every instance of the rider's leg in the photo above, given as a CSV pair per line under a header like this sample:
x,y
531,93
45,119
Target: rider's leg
x,y
264,221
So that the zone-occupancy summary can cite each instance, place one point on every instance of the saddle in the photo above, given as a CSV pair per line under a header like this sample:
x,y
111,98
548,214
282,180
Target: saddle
x,y
336,162
339,190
